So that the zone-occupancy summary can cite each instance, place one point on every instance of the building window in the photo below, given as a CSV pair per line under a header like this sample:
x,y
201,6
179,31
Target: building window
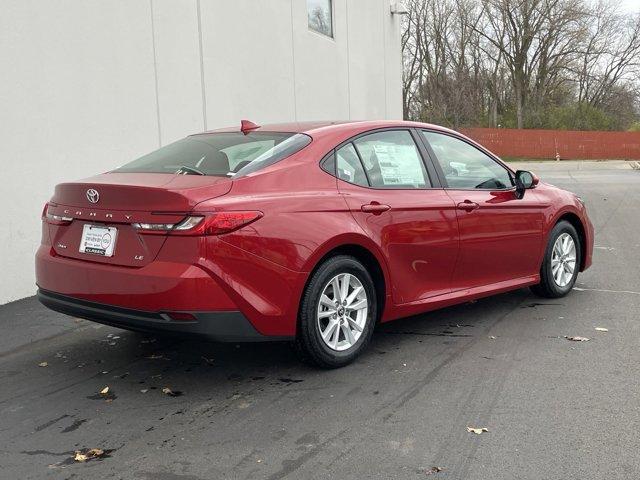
x,y
320,16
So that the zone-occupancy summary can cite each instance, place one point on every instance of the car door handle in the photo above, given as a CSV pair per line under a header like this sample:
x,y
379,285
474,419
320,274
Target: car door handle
x,y
468,206
375,208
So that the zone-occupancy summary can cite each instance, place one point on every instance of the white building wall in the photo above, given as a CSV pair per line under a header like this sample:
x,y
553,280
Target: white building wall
x,y
176,44
87,85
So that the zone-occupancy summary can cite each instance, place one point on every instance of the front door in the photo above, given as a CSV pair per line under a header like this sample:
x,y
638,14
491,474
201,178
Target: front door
x,y
500,235
383,178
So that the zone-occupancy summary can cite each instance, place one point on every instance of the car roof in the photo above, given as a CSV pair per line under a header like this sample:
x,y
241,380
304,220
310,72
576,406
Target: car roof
x,y
325,127
339,131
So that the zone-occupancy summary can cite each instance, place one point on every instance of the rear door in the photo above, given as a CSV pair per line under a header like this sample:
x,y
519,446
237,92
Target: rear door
x,y
500,235
396,198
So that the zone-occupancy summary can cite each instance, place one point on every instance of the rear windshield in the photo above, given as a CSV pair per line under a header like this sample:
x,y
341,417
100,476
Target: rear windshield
x,y
219,154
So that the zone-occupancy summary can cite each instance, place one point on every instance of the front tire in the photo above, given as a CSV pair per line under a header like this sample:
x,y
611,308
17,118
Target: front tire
x,y
561,262
337,313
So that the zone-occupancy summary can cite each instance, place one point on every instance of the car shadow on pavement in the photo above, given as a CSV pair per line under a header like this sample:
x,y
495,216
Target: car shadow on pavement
x,y
146,357
138,362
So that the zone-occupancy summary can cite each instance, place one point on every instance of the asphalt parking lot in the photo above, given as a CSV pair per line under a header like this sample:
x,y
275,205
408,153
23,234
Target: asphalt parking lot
x,y
554,409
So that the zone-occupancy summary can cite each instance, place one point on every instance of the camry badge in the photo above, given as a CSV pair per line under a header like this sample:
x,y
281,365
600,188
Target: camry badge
x,y
93,196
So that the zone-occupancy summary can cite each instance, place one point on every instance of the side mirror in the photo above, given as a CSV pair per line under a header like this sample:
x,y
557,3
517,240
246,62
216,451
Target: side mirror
x,y
524,181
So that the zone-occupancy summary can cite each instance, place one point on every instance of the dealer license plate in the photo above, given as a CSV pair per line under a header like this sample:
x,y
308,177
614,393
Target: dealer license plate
x,y
98,240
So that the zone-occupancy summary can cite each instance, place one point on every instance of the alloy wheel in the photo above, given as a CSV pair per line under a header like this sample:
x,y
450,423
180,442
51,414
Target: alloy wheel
x,y
563,260
342,311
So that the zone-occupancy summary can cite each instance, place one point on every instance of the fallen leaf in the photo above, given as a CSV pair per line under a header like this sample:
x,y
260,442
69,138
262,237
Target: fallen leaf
x,y
144,390
43,364
291,380
104,391
576,338
477,431
171,393
84,455
156,357
492,337
433,470
209,361
602,329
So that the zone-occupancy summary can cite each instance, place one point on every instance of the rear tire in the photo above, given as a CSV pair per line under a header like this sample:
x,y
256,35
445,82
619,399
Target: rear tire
x,y
337,313
561,262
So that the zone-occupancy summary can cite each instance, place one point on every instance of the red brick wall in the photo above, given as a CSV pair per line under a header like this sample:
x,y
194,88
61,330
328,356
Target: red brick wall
x,y
546,143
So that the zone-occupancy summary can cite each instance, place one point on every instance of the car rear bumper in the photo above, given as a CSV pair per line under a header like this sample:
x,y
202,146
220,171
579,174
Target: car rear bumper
x,y
222,326
163,285
190,274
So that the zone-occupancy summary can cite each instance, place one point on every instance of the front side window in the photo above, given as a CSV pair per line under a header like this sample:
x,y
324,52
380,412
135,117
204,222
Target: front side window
x,y
320,15
466,167
219,154
391,160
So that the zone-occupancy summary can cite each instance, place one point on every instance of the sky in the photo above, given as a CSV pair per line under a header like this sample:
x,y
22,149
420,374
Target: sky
x,y
630,5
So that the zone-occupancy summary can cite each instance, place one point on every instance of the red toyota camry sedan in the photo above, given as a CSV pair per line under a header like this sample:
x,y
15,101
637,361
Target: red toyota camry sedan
x,y
307,232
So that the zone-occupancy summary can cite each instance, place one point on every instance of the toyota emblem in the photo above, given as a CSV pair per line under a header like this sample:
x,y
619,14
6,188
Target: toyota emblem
x,y
93,196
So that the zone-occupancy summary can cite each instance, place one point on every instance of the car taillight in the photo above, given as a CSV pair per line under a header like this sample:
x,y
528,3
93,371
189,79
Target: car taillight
x,y
188,224
208,224
54,219
225,222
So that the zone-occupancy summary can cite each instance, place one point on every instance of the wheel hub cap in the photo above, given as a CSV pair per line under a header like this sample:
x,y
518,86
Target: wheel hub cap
x,y
563,260
342,312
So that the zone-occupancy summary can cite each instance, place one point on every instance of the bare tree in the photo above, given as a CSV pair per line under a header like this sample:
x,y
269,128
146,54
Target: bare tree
x,y
610,54
411,42
536,40
470,62
443,73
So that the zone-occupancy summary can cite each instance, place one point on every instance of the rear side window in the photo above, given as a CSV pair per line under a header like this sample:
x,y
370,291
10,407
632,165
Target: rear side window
x,y
349,167
220,154
391,160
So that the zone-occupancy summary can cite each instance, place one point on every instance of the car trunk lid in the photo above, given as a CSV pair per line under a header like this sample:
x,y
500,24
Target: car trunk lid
x,y
119,200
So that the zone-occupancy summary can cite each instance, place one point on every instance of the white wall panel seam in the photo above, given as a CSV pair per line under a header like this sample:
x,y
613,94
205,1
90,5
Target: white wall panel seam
x,y
384,61
155,71
202,76
348,61
293,61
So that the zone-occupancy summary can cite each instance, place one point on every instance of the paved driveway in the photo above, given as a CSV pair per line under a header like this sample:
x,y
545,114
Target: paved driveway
x,y
554,409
